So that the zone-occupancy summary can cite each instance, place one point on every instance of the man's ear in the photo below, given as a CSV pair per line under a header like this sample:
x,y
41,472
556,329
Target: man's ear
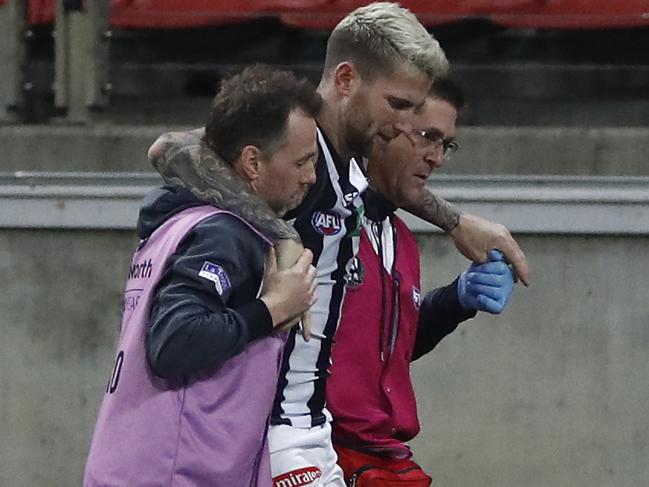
x,y
249,163
346,78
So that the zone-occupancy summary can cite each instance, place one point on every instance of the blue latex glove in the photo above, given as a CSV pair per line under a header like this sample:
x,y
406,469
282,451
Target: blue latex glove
x,y
486,287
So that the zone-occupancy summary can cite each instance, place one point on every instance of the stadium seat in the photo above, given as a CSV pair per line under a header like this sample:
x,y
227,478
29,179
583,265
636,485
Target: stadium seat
x,y
435,12
41,11
325,14
576,14
183,13
199,13
178,13
429,12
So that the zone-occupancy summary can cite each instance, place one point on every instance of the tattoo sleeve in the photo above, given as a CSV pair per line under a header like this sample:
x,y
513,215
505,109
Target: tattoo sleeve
x,y
437,211
184,160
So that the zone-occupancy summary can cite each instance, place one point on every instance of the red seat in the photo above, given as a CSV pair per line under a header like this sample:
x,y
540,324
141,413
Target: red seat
x,y
435,12
325,14
429,12
183,13
176,13
41,11
576,14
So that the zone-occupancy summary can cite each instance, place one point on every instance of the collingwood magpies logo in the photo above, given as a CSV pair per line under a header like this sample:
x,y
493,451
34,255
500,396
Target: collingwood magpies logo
x,y
354,273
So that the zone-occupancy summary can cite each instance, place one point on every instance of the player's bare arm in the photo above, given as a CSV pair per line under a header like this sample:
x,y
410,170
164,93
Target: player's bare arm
x,y
473,236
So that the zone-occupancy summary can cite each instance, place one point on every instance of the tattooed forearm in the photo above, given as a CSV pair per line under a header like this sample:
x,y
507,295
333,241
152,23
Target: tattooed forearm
x,y
437,211
182,159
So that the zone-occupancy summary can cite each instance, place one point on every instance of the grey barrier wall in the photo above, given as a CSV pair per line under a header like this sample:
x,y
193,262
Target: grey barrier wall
x,y
60,315
484,150
553,392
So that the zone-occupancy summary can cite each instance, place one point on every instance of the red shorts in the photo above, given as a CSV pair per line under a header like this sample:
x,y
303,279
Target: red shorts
x,y
364,469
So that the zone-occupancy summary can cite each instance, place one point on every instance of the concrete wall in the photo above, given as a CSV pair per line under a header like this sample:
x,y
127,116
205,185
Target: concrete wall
x,y
554,392
485,150
60,316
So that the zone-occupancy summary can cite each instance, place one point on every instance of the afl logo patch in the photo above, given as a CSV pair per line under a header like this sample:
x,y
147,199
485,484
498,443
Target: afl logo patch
x,y
326,223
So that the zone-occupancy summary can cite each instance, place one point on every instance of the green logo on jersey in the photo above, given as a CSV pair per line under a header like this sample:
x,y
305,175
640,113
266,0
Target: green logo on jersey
x,y
356,231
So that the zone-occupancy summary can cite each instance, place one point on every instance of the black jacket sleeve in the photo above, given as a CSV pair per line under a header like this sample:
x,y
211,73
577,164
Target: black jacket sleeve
x,y
439,315
197,323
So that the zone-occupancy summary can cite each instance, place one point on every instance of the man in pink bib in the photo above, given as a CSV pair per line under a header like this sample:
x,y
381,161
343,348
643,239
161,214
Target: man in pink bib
x,y
205,309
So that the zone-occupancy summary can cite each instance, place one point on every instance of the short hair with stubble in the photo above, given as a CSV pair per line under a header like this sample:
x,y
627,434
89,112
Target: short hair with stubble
x,y
252,108
447,89
381,36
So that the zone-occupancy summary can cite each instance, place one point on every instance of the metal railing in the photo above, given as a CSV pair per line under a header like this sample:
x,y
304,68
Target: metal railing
x,y
13,59
81,36
538,205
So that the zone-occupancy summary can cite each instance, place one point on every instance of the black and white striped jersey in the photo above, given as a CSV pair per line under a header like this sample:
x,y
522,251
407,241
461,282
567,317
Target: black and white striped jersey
x,y
328,221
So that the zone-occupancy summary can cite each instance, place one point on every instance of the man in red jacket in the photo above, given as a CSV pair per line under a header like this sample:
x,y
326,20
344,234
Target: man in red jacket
x,y
369,393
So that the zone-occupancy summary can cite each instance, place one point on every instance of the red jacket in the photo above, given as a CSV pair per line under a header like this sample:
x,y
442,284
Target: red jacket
x,y
369,393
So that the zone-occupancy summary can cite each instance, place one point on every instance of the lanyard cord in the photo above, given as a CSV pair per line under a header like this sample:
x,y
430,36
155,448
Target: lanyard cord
x,y
377,230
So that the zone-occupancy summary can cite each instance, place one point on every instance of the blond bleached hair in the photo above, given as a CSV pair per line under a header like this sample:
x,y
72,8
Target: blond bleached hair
x,y
380,37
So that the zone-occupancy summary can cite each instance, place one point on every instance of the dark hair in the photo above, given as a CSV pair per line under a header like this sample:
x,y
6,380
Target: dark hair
x,y
252,108
448,90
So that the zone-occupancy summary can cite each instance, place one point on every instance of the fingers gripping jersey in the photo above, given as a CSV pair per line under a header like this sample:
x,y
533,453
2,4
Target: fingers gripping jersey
x,y
328,221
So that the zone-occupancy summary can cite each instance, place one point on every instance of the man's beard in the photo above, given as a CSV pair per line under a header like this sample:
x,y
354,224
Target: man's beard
x,y
358,142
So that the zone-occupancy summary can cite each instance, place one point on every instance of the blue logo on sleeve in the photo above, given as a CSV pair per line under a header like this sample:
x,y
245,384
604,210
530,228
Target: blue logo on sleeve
x,y
216,274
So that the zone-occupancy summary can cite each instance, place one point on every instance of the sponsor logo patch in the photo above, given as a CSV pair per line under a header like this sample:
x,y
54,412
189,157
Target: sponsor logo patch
x,y
416,297
349,197
326,223
140,270
216,274
295,478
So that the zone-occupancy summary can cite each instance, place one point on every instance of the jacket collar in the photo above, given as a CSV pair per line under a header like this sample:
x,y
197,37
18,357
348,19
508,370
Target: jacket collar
x,y
377,206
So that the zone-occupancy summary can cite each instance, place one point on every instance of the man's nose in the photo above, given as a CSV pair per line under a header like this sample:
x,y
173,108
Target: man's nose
x,y
403,126
435,158
310,176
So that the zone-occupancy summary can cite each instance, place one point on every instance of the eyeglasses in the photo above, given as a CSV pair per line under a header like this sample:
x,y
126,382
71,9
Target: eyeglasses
x,y
434,140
